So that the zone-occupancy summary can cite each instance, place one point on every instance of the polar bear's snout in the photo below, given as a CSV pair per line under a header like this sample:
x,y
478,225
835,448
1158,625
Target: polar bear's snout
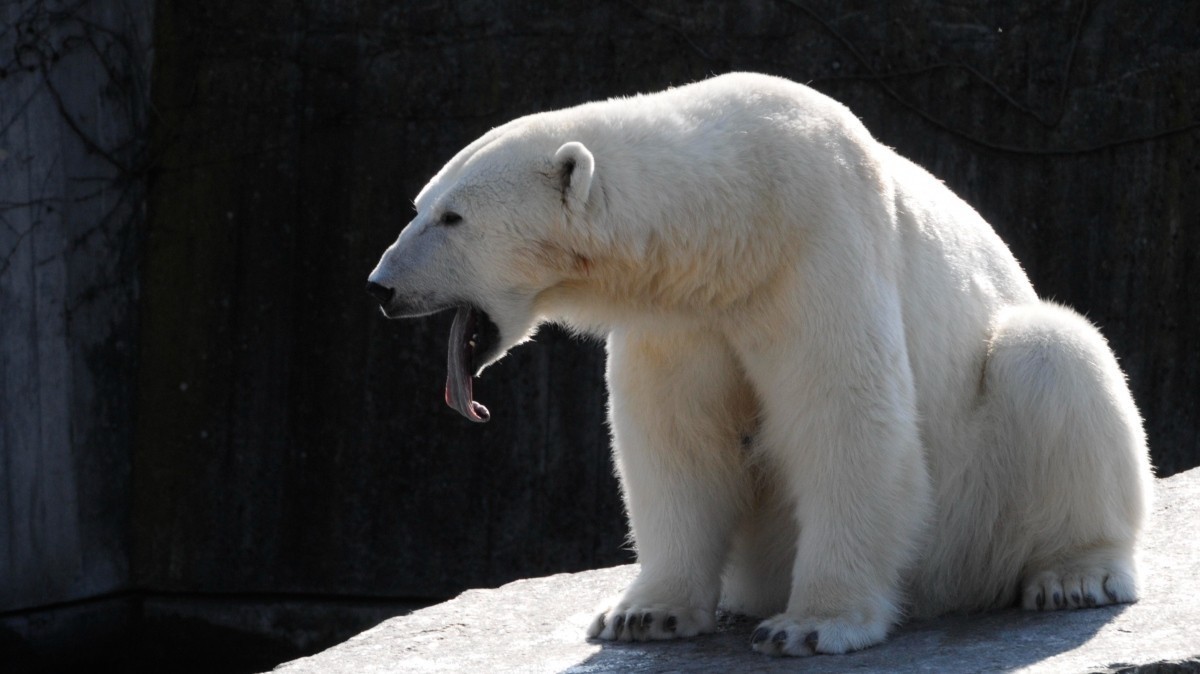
x,y
395,304
382,294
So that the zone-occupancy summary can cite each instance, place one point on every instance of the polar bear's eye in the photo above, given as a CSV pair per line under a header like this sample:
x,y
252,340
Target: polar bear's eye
x,y
451,218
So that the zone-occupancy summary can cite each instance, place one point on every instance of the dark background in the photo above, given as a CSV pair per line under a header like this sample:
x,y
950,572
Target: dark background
x,y
208,435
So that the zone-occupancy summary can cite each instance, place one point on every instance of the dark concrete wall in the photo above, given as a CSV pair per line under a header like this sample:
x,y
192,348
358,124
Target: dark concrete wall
x,y
291,439
74,91
279,436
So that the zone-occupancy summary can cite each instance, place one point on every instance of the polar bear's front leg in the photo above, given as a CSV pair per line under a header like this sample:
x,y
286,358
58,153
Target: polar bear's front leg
x,y
839,428
679,408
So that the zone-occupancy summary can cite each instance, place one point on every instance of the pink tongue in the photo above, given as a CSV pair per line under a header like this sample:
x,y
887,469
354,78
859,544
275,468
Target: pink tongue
x,y
459,351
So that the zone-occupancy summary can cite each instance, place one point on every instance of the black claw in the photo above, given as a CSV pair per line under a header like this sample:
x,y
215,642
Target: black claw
x,y
811,639
1041,600
1089,599
1058,600
1076,598
647,620
780,637
619,625
760,635
670,623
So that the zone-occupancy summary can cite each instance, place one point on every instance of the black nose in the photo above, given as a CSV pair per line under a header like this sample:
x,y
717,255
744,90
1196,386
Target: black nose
x,y
382,294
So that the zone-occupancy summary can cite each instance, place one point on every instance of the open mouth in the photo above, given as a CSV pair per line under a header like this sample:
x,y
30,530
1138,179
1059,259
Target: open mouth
x,y
473,336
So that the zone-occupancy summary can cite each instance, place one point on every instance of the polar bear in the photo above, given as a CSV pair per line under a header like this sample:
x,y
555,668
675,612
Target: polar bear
x,y
835,399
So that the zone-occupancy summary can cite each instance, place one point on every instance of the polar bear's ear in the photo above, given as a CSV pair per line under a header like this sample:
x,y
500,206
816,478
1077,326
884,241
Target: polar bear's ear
x,y
575,166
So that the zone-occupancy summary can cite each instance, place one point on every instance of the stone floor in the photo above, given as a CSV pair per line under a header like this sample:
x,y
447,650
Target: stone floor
x,y
537,625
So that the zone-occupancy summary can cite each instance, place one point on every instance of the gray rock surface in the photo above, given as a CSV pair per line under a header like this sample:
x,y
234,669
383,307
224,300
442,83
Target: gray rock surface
x,y
537,625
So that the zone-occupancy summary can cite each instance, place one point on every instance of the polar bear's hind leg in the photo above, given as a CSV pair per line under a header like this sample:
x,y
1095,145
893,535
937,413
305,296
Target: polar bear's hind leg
x,y
1071,437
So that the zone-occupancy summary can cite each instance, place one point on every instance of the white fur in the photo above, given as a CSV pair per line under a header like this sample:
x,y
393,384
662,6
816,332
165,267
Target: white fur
x,y
926,435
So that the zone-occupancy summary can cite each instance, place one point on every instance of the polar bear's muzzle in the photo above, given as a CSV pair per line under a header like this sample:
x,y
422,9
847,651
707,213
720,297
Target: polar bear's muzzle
x,y
381,293
399,305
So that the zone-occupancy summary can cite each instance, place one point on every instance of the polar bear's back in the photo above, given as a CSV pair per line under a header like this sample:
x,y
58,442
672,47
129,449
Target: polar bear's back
x,y
776,160
746,101
736,124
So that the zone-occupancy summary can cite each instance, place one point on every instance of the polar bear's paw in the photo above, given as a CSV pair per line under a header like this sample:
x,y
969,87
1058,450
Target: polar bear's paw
x,y
651,622
1084,587
787,635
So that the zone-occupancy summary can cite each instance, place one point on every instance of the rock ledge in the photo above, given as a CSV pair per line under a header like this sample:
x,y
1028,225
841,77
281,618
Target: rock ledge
x,y
537,625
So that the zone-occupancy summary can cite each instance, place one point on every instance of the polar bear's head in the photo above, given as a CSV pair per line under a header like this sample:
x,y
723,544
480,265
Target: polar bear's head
x,y
481,244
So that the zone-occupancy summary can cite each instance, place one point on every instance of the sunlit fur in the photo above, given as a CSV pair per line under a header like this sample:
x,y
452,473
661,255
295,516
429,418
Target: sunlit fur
x,y
835,397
